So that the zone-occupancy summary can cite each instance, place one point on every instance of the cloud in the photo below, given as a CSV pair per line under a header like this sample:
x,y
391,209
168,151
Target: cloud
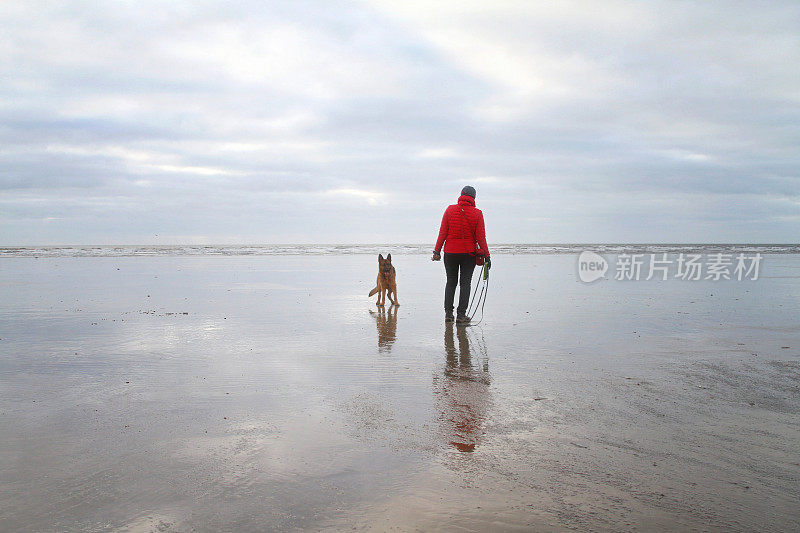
x,y
289,121
371,197
437,153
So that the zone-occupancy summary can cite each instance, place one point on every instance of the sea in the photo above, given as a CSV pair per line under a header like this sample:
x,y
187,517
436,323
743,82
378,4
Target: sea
x,y
368,249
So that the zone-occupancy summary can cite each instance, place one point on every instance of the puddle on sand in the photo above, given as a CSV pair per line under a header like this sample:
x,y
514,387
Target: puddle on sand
x,y
269,408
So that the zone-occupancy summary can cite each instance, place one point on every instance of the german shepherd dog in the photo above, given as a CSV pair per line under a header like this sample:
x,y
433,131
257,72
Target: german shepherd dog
x,y
386,281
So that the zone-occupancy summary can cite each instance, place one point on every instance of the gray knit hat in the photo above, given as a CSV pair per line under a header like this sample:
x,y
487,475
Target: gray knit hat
x,y
468,191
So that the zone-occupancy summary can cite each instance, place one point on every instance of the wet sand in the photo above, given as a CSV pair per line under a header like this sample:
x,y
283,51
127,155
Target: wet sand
x,y
269,393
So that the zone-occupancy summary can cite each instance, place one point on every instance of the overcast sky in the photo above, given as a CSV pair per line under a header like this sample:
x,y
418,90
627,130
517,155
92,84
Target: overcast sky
x,y
358,122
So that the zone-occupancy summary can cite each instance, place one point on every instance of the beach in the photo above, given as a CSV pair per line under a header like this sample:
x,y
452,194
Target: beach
x,y
268,392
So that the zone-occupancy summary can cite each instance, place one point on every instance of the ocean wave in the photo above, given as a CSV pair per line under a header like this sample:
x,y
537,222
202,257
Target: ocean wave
x,y
397,249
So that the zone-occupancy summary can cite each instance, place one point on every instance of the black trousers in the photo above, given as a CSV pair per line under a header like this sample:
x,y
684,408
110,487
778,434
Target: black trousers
x,y
459,268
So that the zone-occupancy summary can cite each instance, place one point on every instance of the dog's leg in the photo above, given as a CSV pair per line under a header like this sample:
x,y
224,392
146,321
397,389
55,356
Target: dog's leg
x,y
394,292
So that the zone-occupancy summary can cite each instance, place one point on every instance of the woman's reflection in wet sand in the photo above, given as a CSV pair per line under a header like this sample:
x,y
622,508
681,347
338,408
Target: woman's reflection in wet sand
x,y
463,390
386,323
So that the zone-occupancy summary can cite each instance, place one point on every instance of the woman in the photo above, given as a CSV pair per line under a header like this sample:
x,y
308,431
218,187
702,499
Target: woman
x,y
464,237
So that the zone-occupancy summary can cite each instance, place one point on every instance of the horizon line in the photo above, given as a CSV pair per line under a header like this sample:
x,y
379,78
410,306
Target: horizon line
x,y
642,243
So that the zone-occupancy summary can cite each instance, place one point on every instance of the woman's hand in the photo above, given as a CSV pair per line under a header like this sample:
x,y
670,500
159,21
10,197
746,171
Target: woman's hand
x,y
436,256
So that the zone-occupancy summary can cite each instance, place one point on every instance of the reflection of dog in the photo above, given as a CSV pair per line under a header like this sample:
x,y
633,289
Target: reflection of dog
x,y
386,281
386,322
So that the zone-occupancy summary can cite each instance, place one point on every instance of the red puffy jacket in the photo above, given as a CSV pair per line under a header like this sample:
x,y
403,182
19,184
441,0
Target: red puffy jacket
x,y
462,227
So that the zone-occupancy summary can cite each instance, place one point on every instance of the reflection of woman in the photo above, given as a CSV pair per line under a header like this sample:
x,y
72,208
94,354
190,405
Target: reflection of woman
x,y
463,235
463,393
454,358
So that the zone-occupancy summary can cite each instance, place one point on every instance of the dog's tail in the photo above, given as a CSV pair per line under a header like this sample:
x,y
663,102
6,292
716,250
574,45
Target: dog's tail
x,y
373,291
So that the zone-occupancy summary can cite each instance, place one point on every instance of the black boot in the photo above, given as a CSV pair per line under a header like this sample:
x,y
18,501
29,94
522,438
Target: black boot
x,y
448,316
463,320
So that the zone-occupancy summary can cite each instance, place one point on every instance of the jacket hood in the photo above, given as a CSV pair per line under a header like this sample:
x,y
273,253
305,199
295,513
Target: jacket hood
x,y
466,200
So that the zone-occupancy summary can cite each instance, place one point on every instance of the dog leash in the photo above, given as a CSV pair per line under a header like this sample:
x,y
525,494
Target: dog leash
x,y
474,304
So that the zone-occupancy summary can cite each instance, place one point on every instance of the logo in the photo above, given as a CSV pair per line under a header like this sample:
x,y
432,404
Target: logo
x,y
591,266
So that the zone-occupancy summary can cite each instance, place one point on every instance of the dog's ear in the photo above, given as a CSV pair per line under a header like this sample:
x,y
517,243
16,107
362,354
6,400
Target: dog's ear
x,y
380,257
389,257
